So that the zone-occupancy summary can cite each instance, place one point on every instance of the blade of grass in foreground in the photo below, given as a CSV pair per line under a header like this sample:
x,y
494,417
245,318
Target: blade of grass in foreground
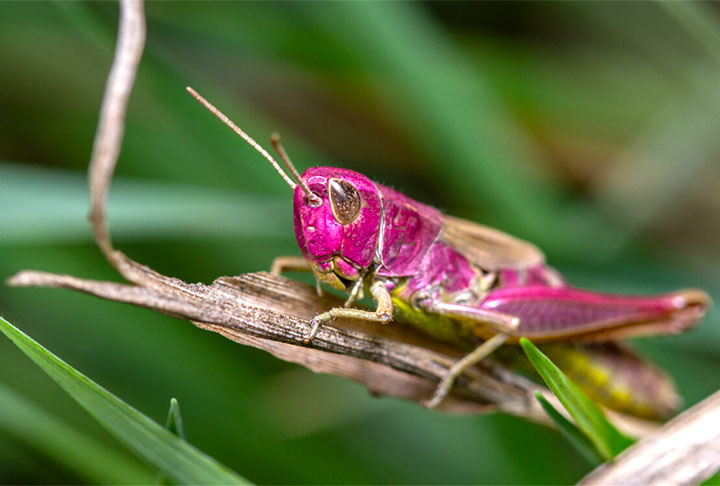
x,y
608,441
170,454
571,432
86,457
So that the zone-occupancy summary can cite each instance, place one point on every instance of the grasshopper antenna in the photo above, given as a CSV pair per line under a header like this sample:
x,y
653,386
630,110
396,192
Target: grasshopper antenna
x,y
254,144
275,141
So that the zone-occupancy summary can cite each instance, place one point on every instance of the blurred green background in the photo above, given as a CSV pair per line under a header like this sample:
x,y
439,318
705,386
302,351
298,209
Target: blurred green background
x,y
588,128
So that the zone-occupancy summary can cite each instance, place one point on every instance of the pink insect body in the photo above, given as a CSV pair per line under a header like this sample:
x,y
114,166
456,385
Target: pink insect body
x,y
408,246
460,281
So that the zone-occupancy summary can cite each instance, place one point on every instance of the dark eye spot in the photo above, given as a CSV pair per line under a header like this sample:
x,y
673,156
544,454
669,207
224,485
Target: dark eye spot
x,y
345,201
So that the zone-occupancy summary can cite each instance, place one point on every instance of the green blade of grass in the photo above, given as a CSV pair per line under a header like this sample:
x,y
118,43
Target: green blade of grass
x,y
712,481
44,205
608,441
84,456
570,431
170,454
175,425
174,421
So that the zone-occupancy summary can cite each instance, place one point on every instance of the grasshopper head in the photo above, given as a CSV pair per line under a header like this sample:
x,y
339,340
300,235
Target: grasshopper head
x,y
337,231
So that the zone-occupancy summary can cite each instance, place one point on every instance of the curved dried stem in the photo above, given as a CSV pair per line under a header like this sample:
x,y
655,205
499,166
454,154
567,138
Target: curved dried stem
x,y
111,127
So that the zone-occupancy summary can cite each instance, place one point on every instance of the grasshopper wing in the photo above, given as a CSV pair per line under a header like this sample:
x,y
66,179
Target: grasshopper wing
x,y
549,314
489,248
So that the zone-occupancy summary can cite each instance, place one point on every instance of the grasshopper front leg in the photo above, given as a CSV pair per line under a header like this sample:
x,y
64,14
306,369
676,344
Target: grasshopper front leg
x,y
383,313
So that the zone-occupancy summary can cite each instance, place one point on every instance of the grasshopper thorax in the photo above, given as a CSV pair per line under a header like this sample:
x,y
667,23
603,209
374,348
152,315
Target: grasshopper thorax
x,y
338,234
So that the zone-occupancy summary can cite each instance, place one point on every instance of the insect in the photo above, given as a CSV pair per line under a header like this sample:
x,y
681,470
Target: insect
x,y
455,280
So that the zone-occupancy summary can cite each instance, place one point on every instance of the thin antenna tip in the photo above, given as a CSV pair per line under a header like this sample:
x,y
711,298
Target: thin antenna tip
x,y
275,137
223,118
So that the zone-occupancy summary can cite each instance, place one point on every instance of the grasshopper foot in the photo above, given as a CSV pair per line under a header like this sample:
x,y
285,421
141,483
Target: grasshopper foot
x,y
315,326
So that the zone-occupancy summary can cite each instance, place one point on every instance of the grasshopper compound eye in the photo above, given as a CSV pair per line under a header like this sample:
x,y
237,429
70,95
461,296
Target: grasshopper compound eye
x,y
345,201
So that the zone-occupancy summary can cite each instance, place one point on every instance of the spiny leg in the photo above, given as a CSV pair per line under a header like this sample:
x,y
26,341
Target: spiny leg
x,y
499,324
460,366
383,313
293,263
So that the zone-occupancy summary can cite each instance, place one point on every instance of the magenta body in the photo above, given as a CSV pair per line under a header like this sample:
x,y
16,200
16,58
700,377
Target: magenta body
x,y
400,241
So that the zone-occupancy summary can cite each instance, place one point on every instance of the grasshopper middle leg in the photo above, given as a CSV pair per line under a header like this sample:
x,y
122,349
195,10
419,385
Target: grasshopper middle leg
x,y
383,313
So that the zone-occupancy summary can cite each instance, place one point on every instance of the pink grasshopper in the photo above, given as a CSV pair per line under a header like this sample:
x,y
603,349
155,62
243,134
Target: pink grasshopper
x,y
453,279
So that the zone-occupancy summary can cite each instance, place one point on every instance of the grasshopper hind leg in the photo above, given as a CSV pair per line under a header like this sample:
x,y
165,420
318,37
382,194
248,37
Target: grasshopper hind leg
x,y
498,325
471,359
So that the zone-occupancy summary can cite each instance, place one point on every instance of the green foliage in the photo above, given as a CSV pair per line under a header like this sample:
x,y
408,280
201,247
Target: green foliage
x,y
137,210
607,440
174,421
712,481
169,453
89,458
580,441
175,426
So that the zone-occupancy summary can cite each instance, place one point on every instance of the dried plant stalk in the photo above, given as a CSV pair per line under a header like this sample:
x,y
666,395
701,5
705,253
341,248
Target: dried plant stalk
x,y
686,450
273,313
111,126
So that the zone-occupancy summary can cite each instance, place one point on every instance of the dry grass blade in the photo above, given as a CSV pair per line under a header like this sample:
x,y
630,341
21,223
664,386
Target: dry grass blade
x,y
686,450
273,313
